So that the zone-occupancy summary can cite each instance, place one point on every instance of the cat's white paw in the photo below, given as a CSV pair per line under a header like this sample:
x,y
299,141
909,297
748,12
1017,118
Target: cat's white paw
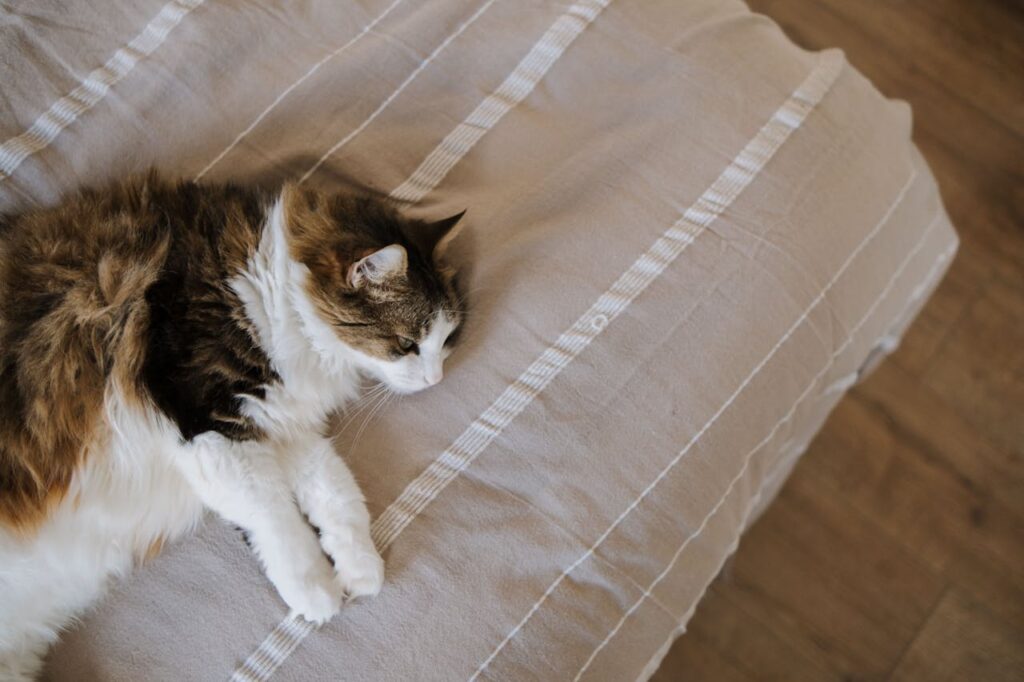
x,y
357,564
360,571
315,596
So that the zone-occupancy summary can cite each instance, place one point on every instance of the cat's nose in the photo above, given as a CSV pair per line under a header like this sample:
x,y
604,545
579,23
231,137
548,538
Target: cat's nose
x,y
433,375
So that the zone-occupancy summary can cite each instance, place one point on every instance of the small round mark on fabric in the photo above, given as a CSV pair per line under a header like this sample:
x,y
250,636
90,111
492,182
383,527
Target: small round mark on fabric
x,y
599,322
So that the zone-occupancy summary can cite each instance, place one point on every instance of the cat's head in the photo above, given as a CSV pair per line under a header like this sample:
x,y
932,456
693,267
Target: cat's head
x,y
378,282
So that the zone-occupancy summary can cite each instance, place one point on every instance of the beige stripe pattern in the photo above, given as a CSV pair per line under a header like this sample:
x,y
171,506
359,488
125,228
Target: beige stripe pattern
x,y
785,419
733,180
94,88
398,91
278,645
736,177
651,264
660,190
287,91
273,651
926,283
510,93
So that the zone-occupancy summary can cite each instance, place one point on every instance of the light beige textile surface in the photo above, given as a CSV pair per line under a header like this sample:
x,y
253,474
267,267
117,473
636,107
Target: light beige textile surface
x,y
685,238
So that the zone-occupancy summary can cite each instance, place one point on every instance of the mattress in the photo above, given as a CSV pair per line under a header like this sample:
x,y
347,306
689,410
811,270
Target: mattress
x,y
686,239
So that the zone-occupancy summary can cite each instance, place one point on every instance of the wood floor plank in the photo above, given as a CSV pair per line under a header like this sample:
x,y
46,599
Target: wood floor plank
x,y
925,418
1000,587
980,368
822,576
940,38
754,646
962,641
702,662
928,494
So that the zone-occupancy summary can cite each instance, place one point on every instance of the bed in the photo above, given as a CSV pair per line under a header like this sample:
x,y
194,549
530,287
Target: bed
x,y
686,239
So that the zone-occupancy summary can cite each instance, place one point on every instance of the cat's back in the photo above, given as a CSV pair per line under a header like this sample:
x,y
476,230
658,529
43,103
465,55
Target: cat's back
x,y
87,263
73,280
73,318
81,259
112,292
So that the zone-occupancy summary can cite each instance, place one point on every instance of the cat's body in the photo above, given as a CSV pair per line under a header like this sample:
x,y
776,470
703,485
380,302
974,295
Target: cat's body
x,y
166,348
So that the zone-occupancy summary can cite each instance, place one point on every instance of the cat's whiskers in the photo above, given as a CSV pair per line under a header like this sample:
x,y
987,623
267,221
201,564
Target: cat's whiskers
x,y
360,406
378,406
472,293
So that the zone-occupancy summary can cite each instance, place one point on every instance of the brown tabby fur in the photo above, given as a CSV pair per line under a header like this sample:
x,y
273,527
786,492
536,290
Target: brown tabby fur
x,y
398,308
130,287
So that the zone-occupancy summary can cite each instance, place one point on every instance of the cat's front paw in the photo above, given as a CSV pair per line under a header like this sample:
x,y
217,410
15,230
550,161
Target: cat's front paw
x,y
315,596
357,564
360,571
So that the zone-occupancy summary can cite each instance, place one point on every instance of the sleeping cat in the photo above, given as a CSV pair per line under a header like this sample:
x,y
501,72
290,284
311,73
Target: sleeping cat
x,y
168,347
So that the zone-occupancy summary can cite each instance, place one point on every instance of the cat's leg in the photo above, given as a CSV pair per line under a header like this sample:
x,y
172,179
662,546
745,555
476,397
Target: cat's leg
x,y
245,483
330,496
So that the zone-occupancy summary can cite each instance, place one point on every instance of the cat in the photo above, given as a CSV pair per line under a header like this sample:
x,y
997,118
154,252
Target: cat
x,y
168,347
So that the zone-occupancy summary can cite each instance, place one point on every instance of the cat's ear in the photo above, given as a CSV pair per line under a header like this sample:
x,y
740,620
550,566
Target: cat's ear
x,y
379,266
436,236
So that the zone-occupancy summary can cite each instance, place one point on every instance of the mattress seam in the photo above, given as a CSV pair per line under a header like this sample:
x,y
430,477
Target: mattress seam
x,y
758,448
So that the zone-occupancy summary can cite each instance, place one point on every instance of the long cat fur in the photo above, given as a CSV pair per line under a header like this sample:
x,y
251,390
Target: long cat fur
x,y
169,347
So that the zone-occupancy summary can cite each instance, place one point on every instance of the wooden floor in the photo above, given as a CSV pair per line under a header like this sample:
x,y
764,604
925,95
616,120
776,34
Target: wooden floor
x,y
896,550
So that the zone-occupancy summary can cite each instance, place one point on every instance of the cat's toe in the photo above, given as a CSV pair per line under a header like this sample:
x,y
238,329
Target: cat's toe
x,y
316,599
360,572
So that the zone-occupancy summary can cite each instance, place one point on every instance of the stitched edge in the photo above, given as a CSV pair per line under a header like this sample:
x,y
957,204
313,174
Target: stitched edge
x,y
757,448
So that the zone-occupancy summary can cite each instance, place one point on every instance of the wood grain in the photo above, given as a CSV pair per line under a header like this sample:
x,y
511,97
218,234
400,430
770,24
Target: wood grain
x,y
896,549
961,641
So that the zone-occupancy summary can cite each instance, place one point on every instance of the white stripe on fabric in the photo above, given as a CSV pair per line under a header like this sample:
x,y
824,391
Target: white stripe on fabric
x,y
398,91
929,280
509,94
262,663
306,76
771,434
273,650
94,88
676,631
733,180
650,265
